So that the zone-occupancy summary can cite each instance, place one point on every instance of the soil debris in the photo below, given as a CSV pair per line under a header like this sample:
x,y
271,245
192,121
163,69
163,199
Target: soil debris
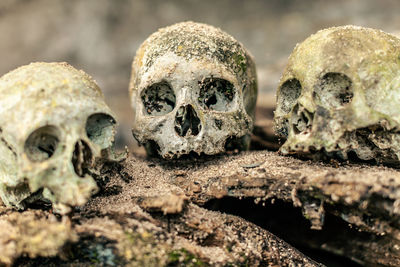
x,y
175,213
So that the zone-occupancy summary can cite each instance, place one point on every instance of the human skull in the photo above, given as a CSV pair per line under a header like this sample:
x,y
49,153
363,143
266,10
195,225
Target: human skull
x,y
193,89
340,95
53,124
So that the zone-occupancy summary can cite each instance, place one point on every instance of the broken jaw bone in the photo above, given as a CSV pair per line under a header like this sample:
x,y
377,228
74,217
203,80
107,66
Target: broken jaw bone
x,y
193,89
54,123
338,96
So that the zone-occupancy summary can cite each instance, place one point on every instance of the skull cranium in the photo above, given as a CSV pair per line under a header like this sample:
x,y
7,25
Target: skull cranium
x,y
340,95
193,89
54,123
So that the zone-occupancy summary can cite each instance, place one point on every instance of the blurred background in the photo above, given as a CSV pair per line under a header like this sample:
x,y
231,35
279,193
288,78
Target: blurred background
x,y
101,36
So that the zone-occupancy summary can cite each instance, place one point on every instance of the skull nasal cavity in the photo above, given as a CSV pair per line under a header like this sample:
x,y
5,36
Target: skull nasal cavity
x,y
301,120
82,158
186,121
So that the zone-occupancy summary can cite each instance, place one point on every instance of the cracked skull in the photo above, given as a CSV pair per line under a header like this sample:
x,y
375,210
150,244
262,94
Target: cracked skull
x,y
53,124
193,89
340,95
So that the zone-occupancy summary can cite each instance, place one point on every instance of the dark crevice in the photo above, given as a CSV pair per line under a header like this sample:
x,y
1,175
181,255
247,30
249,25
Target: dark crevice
x,y
187,122
288,223
88,251
210,101
42,143
37,202
216,94
82,158
236,144
49,150
152,148
158,99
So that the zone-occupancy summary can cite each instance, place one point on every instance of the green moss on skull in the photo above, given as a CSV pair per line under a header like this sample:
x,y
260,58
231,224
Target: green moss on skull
x,y
192,41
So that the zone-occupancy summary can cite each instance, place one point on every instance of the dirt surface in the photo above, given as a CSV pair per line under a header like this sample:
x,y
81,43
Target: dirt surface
x,y
141,218
341,200
151,212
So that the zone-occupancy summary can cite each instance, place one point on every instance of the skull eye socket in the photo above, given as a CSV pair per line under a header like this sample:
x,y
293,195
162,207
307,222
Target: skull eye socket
x,y
100,129
158,99
216,94
334,90
42,143
289,92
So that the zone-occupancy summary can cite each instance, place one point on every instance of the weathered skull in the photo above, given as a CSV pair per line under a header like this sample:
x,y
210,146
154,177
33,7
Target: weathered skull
x,y
53,123
193,89
340,95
